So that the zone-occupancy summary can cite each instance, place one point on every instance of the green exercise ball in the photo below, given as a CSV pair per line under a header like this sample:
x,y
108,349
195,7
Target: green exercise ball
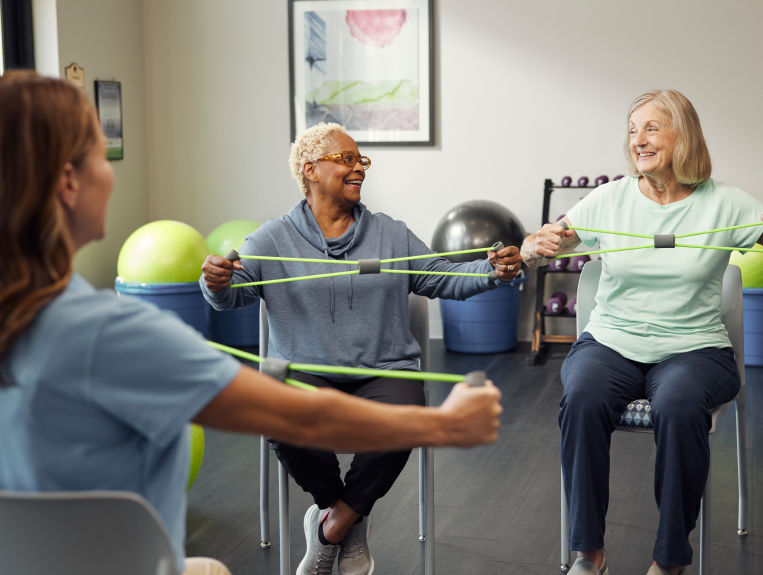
x,y
163,251
230,235
751,264
197,453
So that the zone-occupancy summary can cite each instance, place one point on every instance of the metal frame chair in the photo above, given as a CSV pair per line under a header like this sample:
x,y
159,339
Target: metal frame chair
x,y
418,311
82,533
731,316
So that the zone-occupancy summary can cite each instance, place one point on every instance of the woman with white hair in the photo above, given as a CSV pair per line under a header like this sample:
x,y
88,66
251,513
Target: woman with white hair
x,y
656,331
352,320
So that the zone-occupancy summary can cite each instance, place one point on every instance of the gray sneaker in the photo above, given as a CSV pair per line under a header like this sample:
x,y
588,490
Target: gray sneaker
x,y
354,557
585,567
319,558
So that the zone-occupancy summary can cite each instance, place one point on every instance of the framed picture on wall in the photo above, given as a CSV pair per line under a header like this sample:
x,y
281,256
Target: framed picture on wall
x,y
365,64
108,100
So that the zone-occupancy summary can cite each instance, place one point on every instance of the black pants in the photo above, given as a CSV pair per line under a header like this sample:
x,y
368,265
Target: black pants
x,y
371,474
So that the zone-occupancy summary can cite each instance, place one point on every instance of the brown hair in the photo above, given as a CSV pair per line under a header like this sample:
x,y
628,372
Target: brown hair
x,y
45,123
691,158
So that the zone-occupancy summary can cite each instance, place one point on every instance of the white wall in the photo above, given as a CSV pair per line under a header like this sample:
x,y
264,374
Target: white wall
x,y
524,91
105,37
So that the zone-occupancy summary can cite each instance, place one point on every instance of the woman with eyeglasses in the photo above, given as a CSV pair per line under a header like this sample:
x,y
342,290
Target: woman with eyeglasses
x,y
96,392
352,320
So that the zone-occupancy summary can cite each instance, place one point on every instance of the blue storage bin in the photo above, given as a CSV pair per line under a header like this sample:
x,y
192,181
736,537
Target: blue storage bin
x,y
752,306
184,299
484,323
235,327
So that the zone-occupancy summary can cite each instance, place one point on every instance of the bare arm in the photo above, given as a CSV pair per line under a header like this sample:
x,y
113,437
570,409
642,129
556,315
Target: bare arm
x,y
547,242
329,419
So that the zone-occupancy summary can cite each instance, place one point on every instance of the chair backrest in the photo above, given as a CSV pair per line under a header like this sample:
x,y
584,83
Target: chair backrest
x,y
418,312
731,305
82,533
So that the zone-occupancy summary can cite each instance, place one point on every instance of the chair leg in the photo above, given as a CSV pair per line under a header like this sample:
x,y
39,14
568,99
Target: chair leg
x,y
283,519
742,460
429,540
422,494
564,544
704,518
264,493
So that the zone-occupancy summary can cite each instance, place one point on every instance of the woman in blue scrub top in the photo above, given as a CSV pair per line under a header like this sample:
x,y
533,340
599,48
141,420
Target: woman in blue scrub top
x,y
96,392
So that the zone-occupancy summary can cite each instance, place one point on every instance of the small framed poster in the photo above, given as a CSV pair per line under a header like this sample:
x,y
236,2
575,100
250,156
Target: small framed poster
x,y
108,100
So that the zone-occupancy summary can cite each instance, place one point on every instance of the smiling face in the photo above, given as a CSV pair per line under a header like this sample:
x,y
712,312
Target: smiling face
x,y
652,140
335,182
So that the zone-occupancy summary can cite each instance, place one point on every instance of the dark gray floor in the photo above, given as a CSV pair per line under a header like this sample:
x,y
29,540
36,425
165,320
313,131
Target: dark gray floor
x,y
497,506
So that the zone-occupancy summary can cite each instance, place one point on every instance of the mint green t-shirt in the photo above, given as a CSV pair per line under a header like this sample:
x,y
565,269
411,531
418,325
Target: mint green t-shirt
x,y
655,303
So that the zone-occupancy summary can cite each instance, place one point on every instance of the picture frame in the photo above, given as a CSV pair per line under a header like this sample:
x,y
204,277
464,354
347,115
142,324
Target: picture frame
x,y
365,64
108,101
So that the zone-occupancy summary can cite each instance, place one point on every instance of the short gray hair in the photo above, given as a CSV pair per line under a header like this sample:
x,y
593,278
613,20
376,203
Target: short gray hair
x,y
309,146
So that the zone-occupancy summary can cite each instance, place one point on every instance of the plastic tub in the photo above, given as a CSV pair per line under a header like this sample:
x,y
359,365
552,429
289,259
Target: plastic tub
x,y
484,323
184,299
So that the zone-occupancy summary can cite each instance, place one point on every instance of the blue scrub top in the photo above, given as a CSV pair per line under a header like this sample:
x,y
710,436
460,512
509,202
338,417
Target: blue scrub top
x,y
101,393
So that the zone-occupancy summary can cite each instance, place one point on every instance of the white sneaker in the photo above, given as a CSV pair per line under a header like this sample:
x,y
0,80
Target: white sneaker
x,y
586,567
319,558
354,557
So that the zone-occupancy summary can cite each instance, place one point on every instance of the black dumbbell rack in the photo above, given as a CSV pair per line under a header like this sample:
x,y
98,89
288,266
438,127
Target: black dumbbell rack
x,y
540,339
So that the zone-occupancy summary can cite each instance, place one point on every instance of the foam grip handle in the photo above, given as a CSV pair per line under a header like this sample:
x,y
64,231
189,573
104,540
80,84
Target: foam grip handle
x,y
564,225
369,266
497,246
232,256
492,275
275,367
664,241
475,378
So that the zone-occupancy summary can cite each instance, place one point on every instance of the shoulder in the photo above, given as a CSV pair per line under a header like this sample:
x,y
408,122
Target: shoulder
x,y
383,220
721,190
607,196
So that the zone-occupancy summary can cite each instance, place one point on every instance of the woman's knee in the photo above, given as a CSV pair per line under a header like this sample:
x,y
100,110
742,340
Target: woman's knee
x,y
204,566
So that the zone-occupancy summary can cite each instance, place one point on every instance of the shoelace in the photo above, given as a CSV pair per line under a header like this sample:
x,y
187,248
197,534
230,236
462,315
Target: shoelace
x,y
353,544
325,563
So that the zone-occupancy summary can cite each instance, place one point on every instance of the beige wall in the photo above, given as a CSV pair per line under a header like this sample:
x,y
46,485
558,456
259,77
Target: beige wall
x,y
105,37
524,91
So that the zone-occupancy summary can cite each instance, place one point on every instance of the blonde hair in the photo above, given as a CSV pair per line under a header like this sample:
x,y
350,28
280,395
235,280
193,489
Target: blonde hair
x,y
44,124
310,146
691,158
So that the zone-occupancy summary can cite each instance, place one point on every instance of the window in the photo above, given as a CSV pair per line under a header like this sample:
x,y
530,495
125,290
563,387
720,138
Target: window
x,y
16,34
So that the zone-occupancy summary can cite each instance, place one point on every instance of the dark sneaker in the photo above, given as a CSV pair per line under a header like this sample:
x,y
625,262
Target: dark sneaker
x,y
354,557
585,567
319,558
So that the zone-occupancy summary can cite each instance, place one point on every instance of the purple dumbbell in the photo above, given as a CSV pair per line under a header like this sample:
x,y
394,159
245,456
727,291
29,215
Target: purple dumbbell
x,y
554,306
577,263
566,181
572,306
601,180
560,295
558,264
583,181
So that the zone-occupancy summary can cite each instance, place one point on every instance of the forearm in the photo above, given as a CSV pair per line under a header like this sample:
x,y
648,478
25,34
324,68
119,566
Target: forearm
x,y
326,418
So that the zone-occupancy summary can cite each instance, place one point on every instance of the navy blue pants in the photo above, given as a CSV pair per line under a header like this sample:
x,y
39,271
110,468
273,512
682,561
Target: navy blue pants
x,y
371,474
598,384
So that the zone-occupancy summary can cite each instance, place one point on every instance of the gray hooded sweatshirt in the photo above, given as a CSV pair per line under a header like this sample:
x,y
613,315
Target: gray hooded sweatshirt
x,y
353,320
